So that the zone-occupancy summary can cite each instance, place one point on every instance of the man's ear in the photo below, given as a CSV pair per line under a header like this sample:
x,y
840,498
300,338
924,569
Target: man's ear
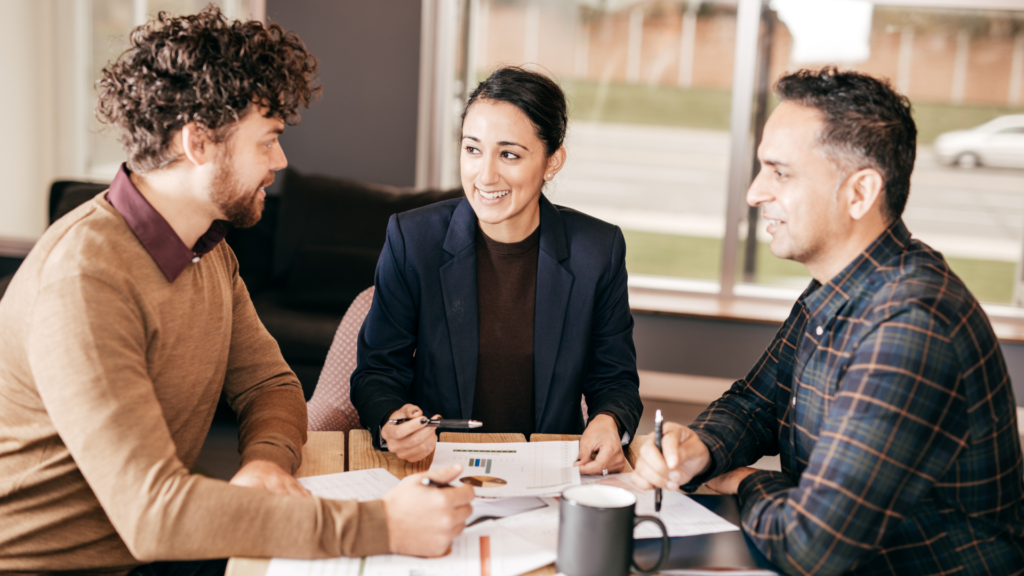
x,y
865,192
196,143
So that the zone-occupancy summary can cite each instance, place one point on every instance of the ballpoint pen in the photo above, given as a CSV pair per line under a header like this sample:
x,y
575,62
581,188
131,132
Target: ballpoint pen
x,y
657,444
442,423
428,482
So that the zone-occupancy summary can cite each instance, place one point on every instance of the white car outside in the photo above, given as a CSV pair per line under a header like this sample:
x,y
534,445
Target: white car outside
x,y
998,143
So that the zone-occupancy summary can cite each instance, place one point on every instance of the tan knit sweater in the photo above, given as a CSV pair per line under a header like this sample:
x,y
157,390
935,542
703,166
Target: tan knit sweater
x,y
109,376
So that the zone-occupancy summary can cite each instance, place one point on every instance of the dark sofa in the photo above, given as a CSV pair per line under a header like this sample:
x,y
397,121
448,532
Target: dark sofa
x,y
313,251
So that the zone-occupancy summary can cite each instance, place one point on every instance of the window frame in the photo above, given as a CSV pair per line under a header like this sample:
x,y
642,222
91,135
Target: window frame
x,y
445,26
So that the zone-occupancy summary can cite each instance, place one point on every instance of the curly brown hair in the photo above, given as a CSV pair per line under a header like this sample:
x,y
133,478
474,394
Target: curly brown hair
x,y
205,69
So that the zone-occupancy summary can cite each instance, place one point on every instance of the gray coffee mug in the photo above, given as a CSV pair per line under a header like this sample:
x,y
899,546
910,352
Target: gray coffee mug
x,y
595,532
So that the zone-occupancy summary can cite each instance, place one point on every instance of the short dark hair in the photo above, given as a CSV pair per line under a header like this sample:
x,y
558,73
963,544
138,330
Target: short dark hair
x,y
867,125
538,96
200,68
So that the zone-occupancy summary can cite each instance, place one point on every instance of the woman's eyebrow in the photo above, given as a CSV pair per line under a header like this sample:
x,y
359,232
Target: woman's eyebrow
x,y
502,143
506,143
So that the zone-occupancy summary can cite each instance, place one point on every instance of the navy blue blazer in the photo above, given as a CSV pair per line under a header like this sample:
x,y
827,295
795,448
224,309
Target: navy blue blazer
x,y
419,343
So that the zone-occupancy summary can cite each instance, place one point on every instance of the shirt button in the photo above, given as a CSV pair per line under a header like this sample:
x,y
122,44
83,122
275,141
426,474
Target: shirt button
x,y
819,330
196,261
793,402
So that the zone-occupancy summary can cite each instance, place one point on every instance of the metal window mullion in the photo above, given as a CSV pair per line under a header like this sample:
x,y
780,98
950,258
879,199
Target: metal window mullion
x,y
748,25
436,149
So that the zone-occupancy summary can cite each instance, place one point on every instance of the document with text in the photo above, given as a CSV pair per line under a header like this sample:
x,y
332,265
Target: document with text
x,y
680,514
486,549
361,485
503,470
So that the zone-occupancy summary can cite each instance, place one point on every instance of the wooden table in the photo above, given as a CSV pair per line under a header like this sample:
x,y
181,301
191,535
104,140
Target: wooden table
x,y
324,453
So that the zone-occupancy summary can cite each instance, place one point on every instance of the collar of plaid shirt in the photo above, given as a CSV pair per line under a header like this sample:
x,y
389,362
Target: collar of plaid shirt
x,y
824,301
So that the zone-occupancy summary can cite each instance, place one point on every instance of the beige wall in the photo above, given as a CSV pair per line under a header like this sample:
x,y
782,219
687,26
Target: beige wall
x,y
26,159
42,104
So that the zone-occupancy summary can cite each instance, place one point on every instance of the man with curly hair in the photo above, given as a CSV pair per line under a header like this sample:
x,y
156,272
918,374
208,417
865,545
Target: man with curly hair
x,y
885,393
128,320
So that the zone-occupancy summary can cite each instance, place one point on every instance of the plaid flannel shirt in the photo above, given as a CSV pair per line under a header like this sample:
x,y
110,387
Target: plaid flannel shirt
x,y
887,398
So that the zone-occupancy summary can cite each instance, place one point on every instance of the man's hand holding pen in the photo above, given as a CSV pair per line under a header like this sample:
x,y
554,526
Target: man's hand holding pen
x,y
440,514
685,456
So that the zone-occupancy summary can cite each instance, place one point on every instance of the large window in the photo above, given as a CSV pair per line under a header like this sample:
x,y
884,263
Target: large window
x,y
668,99
110,22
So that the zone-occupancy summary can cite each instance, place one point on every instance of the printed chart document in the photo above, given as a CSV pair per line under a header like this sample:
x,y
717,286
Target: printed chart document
x,y
486,549
681,515
502,470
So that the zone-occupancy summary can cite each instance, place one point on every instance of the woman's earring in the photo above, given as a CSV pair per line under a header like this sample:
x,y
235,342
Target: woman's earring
x,y
550,176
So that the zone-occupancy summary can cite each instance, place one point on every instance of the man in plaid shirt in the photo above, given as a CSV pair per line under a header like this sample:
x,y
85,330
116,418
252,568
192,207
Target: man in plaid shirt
x,y
885,392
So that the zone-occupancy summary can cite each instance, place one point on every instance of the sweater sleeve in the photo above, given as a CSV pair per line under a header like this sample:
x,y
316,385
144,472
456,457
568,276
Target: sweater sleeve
x,y
87,349
261,388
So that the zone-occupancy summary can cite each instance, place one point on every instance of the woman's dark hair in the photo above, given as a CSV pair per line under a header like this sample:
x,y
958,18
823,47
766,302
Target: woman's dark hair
x,y
867,125
536,95
200,68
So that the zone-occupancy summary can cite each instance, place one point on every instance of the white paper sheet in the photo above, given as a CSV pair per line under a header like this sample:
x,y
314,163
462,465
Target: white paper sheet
x,y
486,548
502,470
505,507
681,515
538,526
361,485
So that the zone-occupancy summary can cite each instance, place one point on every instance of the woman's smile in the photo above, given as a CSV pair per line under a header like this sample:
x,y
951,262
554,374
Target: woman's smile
x,y
492,196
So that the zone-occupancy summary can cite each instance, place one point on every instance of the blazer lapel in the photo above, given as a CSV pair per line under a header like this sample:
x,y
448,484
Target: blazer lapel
x,y
458,285
554,285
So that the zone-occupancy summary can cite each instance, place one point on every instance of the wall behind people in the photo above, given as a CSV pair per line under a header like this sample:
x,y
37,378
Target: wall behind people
x,y
364,126
44,90
25,40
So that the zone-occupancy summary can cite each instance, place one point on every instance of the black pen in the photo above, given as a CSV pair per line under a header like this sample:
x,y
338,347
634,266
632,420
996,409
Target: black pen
x,y
442,423
657,444
428,482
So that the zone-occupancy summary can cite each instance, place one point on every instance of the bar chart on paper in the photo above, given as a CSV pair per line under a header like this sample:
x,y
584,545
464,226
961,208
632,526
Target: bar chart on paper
x,y
512,469
484,463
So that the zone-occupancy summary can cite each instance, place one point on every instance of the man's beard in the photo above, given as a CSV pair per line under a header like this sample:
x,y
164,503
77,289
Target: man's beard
x,y
241,205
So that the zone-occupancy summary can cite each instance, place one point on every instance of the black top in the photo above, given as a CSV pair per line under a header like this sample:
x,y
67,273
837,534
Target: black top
x,y
506,303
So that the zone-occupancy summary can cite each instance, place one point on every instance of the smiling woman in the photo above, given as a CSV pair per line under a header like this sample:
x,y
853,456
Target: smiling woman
x,y
515,309
512,133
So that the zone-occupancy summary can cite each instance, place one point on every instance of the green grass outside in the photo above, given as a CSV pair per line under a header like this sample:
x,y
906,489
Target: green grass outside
x,y
701,258
640,104
709,108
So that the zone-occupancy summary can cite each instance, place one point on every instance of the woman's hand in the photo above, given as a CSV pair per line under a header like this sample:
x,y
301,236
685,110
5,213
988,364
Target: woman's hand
x,y
601,437
411,441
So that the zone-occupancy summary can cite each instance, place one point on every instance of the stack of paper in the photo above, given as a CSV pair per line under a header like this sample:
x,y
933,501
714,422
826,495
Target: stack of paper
x,y
526,535
679,513
484,549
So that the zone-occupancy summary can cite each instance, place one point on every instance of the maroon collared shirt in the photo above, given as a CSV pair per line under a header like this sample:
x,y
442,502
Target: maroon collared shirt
x,y
153,231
